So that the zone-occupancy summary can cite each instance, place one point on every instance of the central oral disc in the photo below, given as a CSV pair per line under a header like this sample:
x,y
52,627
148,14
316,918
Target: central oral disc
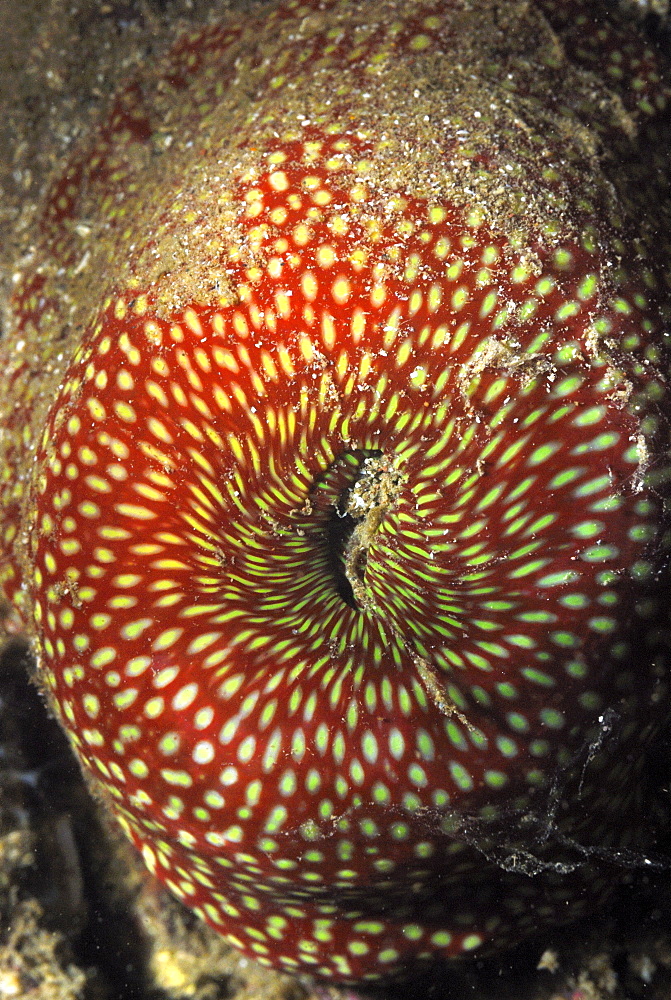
x,y
351,499
369,499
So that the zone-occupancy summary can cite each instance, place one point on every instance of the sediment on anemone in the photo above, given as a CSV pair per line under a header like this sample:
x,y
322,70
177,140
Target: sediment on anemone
x,y
336,454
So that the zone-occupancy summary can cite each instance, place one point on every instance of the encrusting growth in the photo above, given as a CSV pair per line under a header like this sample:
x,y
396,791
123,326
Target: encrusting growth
x,y
335,460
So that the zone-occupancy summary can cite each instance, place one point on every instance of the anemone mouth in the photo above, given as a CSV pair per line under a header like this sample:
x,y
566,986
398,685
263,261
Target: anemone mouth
x,y
351,499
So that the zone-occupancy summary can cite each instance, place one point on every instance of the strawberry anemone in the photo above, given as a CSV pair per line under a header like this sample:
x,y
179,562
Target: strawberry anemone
x,y
342,537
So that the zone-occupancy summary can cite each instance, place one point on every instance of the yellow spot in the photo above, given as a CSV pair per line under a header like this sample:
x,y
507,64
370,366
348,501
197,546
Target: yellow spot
x,y
342,365
134,511
301,235
225,359
166,639
322,197
152,333
420,42
269,365
279,180
326,255
283,304
339,225
102,657
89,509
135,629
124,380
306,348
156,392
154,707
309,286
378,295
98,484
328,331
341,290
125,412
137,666
415,303
285,360
358,325
180,778
96,408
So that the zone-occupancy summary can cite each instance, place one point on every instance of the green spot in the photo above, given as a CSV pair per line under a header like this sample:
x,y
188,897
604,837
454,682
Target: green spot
x,y
387,955
425,745
507,746
341,787
441,939
417,775
174,777
592,486
288,783
567,310
521,641
607,503
590,416
565,639
103,656
558,579
138,768
600,443
276,819
575,601
517,722
590,701
641,570
587,287
381,793
357,772
322,738
455,735
424,849
551,718
544,286
528,568
565,477
369,747
622,306
599,553
563,259
396,743
488,304
602,624
587,529
461,776
400,831
536,616
169,744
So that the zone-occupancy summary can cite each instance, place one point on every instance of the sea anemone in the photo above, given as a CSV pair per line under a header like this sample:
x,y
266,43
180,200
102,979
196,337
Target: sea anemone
x,y
335,470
